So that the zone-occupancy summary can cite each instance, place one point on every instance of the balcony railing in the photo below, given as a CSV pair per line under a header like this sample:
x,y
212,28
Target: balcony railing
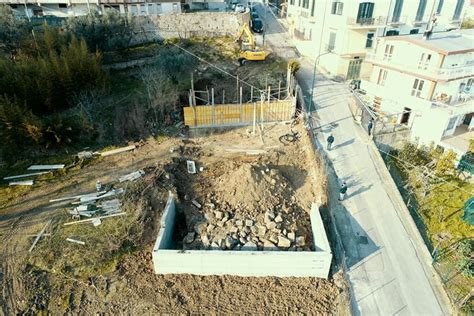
x,y
442,73
457,100
375,21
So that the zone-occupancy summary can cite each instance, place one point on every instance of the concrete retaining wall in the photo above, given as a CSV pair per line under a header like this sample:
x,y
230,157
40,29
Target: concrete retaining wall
x,y
242,263
185,25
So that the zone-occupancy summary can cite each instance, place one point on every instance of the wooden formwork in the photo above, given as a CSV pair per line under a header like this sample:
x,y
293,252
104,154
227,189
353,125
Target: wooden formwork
x,y
236,114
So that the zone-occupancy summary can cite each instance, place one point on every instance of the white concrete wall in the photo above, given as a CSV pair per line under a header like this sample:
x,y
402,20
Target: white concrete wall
x,y
242,263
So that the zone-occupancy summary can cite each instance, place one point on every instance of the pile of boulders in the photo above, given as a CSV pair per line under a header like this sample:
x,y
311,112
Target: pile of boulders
x,y
229,231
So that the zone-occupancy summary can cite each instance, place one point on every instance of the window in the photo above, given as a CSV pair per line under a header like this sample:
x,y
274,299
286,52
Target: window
x,y
175,7
392,33
414,31
382,77
337,7
312,7
421,10
142,9
458,9
299,3
364,15
332,41
370,40
292,2
62,5
305,4
440,7
388,52
424,61
397,11
158,8
469,85
151,9
417,88
451,123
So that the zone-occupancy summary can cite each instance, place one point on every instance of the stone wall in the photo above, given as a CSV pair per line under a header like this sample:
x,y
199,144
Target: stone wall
x,y
242,263
185,25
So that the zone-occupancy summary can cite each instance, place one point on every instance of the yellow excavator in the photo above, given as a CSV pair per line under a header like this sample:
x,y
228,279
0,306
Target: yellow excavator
x,y
248,47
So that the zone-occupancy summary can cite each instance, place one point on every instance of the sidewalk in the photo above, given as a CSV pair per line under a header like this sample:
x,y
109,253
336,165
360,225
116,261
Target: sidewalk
x,y
389,266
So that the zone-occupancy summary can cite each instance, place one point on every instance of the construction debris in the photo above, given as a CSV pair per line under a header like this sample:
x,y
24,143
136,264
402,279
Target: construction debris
x,y
92,219
132,176
40,234
26,182
45,167
96,222
25,175
191,165
117,151
86,154
196,203
75,241
77,196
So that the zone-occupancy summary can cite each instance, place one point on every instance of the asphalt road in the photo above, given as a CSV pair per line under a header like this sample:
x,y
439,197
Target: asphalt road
x,y
388,267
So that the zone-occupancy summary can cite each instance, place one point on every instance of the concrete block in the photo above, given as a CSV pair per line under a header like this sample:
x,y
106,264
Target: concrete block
x,y
273,239
269,246
291,236
278,219
248,222
249,246
261,230
218,214
271,225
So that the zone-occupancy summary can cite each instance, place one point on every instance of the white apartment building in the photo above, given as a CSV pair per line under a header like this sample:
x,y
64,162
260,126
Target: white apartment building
x,y
427,84
348,27
66,8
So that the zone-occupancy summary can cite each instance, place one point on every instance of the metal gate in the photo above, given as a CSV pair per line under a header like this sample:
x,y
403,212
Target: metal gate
x,y
353,72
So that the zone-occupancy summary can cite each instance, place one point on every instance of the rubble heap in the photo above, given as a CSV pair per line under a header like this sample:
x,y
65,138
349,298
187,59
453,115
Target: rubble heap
x,y
251,207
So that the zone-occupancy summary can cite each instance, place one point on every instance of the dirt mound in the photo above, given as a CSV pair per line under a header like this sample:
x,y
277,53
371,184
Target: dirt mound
x,y
256,186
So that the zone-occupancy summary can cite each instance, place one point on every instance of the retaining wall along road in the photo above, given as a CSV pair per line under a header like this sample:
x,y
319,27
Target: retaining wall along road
x,y
242,263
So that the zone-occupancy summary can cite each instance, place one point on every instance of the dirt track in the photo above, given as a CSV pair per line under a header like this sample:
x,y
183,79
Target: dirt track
x,y
133,288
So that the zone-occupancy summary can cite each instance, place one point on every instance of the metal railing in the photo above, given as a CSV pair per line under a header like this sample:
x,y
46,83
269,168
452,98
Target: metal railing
x,y
375,21
423,69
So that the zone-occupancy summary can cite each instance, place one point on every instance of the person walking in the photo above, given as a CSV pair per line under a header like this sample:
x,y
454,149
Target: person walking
x,y
342,191
370,126
330,140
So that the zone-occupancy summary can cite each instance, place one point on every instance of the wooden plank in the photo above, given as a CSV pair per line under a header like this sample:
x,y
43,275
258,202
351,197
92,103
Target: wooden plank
x,y
117,151
26,182
91,219
25,175
75,241
39,235
45,167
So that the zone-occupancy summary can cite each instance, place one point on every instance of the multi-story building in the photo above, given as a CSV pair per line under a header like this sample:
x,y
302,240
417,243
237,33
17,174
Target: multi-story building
x,y
347,28
426,82
65,8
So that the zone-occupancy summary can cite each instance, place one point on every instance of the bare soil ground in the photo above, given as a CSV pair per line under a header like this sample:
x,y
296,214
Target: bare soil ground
x,y
113,273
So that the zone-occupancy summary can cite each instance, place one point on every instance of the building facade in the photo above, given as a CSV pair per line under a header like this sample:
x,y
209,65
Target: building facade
x,y
66,8
347,28
426,83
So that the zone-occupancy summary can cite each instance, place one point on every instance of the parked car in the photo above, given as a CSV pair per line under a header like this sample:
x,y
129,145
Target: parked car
x,y
255,16
256,25
239,8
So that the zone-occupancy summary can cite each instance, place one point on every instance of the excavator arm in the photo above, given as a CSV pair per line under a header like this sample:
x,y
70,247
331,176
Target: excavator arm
x,y
246,37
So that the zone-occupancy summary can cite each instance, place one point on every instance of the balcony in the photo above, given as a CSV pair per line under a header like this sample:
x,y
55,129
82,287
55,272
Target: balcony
x,y
374,21
460,103
436,73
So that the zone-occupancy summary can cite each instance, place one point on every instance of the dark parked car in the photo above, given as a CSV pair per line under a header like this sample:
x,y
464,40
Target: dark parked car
x,y
255,16
256,25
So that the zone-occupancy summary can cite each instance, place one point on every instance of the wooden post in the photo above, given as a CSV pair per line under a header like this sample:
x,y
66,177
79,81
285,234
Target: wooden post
x,y
208,97
254,116
262,98
279,89
223,96
240,102
213,108
192,89
268,100
251,93
237,87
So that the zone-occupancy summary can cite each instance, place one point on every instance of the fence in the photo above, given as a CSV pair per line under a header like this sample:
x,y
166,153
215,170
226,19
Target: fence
x,y
242,263
239,115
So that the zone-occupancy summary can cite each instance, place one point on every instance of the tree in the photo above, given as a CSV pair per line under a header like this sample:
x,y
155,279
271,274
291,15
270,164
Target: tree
x,y
110,31
177,66
12,31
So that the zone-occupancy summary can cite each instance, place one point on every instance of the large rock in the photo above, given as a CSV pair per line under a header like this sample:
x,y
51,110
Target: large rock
x,y
273,239
219,215
278,219
200,228
269,246
189,238
271,225
210,228
300,242
283,242
261,230
205,240
248,222
249,246
291,236
230,242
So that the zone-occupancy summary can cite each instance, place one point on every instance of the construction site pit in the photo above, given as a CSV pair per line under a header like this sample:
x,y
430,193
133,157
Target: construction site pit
x,y
245,197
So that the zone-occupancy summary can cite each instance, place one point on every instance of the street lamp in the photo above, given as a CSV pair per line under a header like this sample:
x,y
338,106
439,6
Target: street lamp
x,y
314,79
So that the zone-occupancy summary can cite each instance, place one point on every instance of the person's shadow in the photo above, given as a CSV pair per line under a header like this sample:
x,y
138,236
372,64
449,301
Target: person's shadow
x,y
347,142
358,191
